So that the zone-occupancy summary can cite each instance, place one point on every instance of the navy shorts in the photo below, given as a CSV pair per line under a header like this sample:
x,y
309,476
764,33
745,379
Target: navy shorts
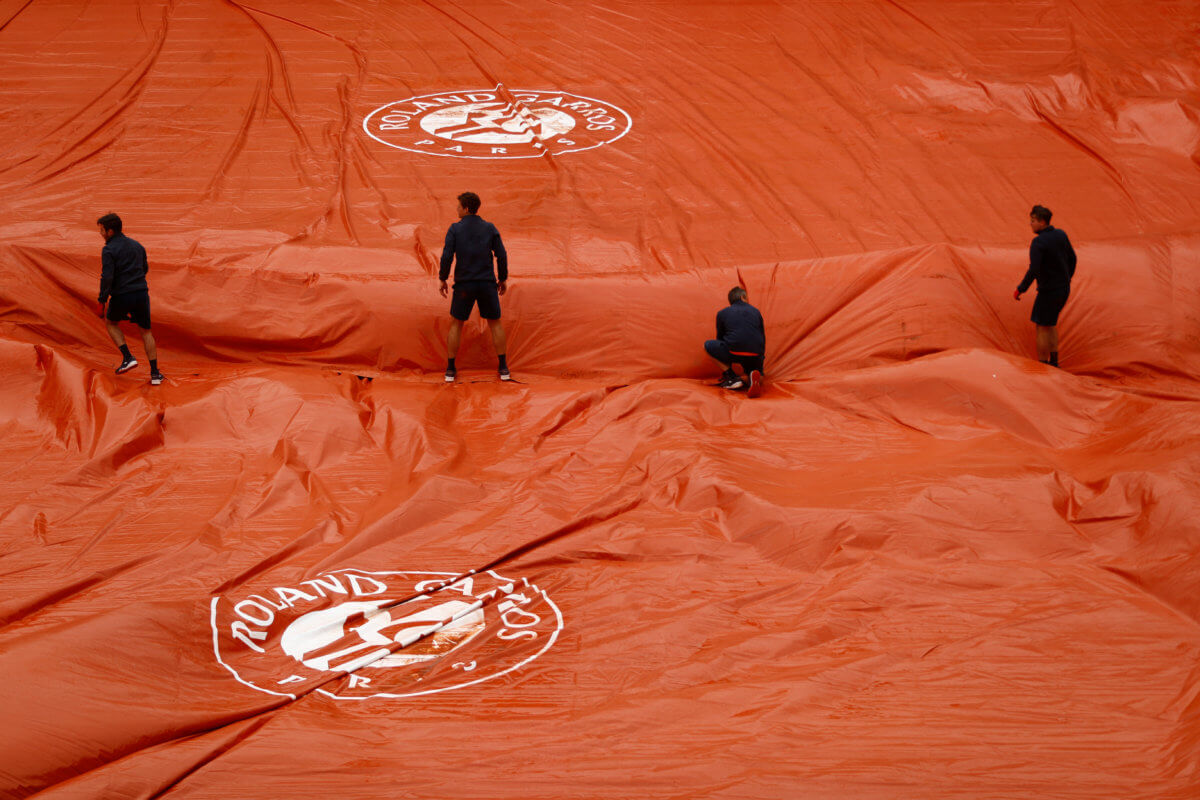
x,y
1047,306
721,352
467,293
134,307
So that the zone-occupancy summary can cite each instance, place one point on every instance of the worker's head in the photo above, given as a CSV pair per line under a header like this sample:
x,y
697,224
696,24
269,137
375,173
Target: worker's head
x,y
468,203
737,295
1039,218
110,225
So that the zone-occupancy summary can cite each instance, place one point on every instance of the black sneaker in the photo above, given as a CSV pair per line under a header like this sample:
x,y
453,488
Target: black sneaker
x,y
451,374
126,365
504,374
735,383
727,378
156,377
756,384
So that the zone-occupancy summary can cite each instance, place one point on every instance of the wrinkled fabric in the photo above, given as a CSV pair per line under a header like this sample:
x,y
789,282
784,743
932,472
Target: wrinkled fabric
x,y
921,564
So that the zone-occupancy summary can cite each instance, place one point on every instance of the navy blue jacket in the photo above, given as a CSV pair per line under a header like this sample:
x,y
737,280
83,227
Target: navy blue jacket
x,y
740,327
1051,262
471,242
123,267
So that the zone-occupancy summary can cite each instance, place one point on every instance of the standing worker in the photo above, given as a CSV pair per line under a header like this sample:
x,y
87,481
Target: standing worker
x,y
470,244
740,340
123,287
1052,265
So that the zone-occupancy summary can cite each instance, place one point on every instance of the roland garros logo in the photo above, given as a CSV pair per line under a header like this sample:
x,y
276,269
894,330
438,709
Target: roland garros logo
x,y
356,635
497,123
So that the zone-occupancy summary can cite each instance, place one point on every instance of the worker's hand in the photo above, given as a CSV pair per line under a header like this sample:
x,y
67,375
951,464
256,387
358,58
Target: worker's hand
x,y
1016,294
503,286
445,290
98,309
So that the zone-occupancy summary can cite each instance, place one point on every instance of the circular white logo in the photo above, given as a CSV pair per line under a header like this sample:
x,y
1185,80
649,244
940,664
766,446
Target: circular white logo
x,y
355,635
497,123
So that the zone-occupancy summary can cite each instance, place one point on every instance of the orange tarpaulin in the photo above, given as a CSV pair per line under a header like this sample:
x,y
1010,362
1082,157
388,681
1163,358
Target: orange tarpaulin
x,y
920,565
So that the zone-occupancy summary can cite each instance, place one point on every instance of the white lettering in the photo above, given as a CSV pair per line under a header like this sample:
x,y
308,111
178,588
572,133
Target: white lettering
x,y
291,679
427,141
518,618
263,621
601,119
601,127
329,582
420,106
466,586
509,636
578,105
357,582
391,126
456,148
481,98
290,596
241,631
567,142
449,98
357,681
271,603
509,602
499,150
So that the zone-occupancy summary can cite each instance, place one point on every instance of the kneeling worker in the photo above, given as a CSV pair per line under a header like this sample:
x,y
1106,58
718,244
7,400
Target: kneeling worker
x,y
740,340
470,244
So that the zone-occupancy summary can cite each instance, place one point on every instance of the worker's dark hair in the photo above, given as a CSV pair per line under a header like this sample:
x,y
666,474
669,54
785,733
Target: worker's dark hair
x,y
737,293
1042,213
470,201
111,222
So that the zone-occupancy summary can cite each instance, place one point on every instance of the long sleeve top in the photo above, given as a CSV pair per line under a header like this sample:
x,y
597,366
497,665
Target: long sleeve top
x,y
470,243
740,327
1051,261
123,267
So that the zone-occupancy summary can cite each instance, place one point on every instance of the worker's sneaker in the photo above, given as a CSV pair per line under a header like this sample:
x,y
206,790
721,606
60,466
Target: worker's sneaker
x,y
126,365
156,377
756,384
727,378
451,374
504,374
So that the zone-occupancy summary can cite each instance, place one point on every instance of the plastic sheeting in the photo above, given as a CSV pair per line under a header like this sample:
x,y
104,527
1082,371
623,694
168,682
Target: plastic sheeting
x,y
920,565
